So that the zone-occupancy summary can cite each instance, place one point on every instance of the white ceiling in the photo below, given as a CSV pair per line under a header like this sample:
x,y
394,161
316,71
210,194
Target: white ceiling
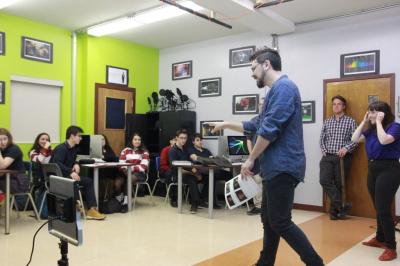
x,y
78,14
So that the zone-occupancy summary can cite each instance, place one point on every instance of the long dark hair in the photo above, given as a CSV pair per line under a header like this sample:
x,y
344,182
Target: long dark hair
x,y
107,146
141,147
7,133
381,107
36,145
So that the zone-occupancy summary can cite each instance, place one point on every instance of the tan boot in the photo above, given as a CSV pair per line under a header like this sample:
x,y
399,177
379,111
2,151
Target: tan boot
x,y
93,214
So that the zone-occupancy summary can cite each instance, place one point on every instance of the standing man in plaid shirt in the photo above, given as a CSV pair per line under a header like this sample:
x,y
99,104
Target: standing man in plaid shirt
x,y
336,144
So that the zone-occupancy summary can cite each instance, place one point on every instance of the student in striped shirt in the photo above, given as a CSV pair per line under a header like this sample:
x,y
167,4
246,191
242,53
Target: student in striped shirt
x,y
137,154
41,149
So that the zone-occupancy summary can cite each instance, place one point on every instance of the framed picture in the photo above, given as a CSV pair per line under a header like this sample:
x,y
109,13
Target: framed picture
x,y
2,92
2,43
205,130
362,63
117,75
182,70
308,111
245,104
37,50
240,57
210,87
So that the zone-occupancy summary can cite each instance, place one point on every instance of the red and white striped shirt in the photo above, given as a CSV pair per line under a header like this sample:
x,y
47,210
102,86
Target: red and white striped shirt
x,y
43,156
139,158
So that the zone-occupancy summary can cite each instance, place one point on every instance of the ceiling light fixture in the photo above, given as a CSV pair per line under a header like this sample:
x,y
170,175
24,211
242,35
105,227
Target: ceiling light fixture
x,y
261,3
209,18
6,3
141,18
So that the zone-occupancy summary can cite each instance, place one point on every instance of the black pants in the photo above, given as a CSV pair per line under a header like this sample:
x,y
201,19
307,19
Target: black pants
x,y
191,181
383,182
331,180
87,189
276,216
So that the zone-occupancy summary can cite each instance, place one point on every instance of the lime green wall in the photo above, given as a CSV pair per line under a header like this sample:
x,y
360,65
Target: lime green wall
x,y
13,64
93,56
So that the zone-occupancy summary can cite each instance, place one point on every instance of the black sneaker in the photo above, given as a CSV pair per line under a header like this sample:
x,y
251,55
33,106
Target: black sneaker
x,y
344,211
174,203
193,208
254,211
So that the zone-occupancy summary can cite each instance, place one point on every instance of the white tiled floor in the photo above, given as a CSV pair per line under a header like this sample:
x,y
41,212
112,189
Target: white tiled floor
x,y
154,235
150,235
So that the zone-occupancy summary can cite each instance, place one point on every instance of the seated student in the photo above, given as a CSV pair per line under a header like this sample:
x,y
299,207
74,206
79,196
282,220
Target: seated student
x,y
199,150
166,171
108,155
41,149
64,155
189,175
137,154
11,159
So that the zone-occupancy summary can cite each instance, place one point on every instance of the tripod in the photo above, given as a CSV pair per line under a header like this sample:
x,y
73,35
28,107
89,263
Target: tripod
x,y
63,245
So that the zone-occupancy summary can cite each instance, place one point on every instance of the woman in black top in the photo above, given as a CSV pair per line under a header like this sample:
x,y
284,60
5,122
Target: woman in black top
x,y
110,173
11,159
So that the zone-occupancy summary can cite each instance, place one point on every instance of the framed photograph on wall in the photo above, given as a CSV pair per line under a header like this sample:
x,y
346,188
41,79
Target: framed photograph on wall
x,y
205,130
308,112
182,70
361,63
2,92
210,87
245,104
240,57
117,75
37,50
2,43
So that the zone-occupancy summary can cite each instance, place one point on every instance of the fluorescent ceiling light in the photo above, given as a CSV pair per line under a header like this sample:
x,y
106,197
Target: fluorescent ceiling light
x,y
113,26
6,3
165,12
245,3
146,17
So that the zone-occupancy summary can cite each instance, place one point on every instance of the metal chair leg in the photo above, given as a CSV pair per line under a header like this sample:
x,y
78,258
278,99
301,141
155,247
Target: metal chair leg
x,y
42,203
34,207
83,206
154,188
151,194
136,191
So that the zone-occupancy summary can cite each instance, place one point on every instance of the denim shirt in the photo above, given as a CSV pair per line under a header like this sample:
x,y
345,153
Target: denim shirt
x,y
280,122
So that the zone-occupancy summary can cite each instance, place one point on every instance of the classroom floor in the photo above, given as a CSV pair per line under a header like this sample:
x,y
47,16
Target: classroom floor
x,y
157,235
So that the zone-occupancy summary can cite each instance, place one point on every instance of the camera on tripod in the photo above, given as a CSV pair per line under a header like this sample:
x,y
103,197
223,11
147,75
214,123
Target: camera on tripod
x,y
64,215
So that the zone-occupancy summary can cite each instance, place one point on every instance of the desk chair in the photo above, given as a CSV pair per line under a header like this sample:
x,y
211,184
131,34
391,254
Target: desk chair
x,y
53,169
27,194
159,179
141,183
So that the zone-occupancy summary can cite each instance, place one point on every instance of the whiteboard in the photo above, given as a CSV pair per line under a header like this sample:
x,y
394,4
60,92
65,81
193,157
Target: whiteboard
x,y
35,108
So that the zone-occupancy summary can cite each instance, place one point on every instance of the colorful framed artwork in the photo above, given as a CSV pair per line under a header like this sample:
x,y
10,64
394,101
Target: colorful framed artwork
x,y
2,92
308,112
205,130
182,70
362,63
245,104
240,57
37,50
117,75
210,87
2,43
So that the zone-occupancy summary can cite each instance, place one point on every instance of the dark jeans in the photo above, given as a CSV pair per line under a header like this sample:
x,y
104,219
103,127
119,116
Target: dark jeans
x,y
383,182
276,216
191,181
87,189
331,180
168,180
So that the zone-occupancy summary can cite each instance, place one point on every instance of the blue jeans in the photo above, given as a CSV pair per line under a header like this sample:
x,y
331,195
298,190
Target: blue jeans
x,y
276,216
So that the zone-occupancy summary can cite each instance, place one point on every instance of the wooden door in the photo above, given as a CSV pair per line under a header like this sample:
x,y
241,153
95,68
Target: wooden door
x,y
111,104
357,91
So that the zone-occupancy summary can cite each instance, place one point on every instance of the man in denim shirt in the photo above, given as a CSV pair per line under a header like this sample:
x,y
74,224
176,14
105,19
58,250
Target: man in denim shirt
x,y
280,148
